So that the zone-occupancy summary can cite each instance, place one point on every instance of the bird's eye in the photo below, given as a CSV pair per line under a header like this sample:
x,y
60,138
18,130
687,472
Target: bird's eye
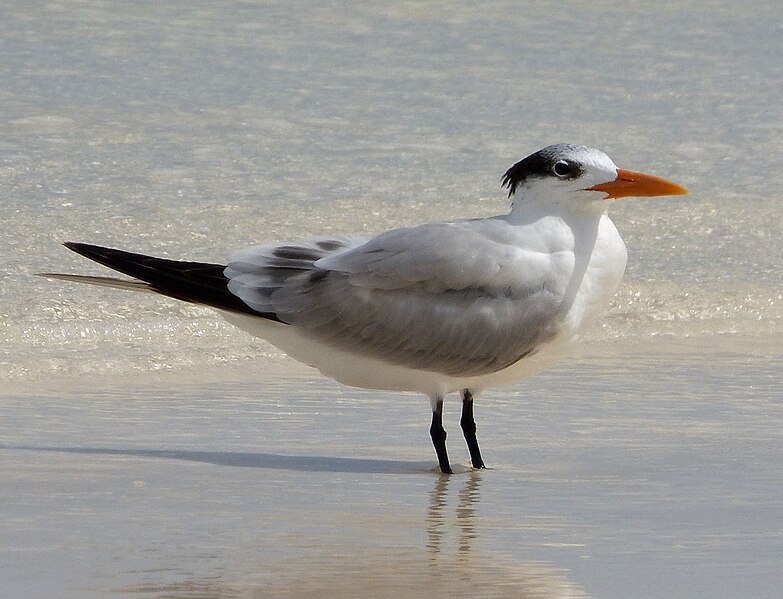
x,y
562,169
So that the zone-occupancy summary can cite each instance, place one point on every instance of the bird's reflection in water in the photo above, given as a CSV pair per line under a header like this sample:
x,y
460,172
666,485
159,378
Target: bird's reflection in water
x,y
438,517
445,521
458,565
450,563
466,510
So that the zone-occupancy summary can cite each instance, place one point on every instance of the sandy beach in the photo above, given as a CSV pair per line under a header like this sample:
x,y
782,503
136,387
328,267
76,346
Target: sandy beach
x,y
646,471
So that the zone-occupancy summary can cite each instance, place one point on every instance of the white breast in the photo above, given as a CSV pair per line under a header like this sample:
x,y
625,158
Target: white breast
x,y
599,264
585,258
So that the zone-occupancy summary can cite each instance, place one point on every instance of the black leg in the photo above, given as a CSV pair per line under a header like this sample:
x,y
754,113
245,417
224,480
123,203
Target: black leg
x,y
439,437
469,429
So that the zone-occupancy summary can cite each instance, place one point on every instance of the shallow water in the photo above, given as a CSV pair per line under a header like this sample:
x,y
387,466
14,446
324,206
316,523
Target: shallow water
x,y
649,474
190,133
149,449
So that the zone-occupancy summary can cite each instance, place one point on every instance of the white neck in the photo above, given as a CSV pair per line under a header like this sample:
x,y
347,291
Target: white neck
x,y
529,209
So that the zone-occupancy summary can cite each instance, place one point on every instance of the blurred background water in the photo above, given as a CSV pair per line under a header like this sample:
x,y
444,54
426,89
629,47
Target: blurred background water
x,y
149,449
190,131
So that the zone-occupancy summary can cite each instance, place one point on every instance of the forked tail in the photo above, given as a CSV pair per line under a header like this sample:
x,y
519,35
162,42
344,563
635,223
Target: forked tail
x,y
195,282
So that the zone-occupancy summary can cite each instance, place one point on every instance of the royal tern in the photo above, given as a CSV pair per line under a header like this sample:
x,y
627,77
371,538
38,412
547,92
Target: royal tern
x,y
435,308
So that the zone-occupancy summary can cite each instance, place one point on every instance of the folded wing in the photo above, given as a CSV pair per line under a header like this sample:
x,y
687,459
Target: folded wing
x,y
454,298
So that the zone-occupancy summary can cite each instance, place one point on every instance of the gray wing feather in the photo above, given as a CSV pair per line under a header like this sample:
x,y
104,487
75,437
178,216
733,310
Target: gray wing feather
x,y
444,298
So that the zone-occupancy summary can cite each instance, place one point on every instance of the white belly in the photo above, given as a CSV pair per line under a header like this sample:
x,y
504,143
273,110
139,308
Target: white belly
x,y
594,282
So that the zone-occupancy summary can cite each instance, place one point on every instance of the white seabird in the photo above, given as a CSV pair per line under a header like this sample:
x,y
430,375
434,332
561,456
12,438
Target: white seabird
x,y
435,308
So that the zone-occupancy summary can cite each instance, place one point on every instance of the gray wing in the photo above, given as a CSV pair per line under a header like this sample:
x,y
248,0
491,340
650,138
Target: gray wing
x,y
453,298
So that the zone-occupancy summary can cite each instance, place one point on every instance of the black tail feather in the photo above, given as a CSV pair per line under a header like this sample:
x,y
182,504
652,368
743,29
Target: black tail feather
x,y
195,282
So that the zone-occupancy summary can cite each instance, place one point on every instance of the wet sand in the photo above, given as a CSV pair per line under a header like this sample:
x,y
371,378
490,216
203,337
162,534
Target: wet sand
x,y
647,471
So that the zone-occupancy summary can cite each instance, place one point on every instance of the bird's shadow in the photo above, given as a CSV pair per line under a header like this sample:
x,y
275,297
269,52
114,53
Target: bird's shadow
x,y
272,461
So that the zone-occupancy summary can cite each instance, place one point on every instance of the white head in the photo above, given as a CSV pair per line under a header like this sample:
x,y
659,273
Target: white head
x,y
578,178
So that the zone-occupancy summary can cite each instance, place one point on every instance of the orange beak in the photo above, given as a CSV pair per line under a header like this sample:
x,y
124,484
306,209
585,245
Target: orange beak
x,y
629,183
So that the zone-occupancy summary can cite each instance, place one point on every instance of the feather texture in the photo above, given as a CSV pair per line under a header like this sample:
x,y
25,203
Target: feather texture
x,y
445,297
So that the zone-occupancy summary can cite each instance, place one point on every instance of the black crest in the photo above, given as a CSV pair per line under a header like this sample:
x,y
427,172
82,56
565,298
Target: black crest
x,y
535,165
541,164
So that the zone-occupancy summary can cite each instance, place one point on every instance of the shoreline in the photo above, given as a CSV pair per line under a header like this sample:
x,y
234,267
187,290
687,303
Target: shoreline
x,y
274,365
627,462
